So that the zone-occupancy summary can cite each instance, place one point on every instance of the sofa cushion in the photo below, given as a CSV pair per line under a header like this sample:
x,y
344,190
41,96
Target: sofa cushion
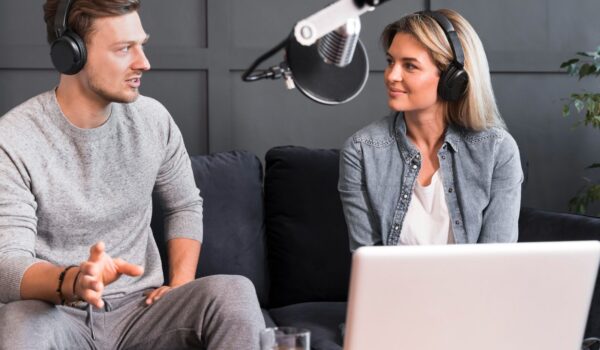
x,y
230,184
537,225
308,251
323,319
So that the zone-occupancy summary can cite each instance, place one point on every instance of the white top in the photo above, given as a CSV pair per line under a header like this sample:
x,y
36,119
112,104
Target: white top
x,y
427,220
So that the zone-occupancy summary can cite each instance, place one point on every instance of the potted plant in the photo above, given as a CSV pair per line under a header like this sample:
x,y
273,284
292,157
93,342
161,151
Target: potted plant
x,y
588,105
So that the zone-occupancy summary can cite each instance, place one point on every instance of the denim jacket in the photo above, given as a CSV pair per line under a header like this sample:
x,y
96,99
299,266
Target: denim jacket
x,y
481,175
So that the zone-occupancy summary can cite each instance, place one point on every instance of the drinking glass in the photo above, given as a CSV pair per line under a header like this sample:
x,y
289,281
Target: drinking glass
x,y
285,338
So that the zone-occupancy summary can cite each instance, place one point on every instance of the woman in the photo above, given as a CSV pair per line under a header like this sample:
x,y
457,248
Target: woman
x,y
441,169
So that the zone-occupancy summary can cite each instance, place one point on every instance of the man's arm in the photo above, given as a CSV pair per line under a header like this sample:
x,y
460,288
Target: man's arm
x,y
183,259
41,279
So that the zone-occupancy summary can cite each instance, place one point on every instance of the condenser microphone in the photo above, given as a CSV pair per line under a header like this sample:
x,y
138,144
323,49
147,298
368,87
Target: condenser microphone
x,y
338,46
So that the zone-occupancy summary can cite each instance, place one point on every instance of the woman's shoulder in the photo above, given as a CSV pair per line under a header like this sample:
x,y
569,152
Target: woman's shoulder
x,y
493,135
495,139
379,133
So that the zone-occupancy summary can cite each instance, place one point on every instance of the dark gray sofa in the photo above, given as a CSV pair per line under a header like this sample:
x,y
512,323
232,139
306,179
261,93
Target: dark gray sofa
x,y
287,234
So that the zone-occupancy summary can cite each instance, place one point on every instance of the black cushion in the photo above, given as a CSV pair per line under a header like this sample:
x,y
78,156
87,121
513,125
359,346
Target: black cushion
x,y
323,319
309,256
537,225
230,184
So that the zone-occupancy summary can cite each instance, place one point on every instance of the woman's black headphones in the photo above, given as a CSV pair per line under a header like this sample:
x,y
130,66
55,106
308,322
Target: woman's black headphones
x,y
454,79
67,51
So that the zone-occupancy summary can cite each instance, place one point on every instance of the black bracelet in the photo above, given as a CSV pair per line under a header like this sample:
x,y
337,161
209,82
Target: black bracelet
x,y
61,279
77,297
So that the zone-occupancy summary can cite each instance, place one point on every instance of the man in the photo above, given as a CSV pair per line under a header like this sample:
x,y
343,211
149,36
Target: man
x,y
78,165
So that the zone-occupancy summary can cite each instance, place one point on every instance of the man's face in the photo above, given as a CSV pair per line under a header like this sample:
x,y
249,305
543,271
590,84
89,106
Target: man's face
x,y
116,58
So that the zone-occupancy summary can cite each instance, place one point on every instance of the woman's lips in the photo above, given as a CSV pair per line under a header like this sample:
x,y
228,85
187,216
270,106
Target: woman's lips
x,y
396,92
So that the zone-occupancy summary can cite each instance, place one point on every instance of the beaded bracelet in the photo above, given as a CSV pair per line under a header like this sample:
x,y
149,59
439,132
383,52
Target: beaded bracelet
x,y
61,279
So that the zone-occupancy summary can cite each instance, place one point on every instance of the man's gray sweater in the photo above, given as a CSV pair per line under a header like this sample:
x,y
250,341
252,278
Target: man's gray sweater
x,y
63,188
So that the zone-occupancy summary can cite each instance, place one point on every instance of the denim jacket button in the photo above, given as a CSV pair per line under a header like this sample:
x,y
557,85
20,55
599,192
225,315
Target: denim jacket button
x,y
405,196
450,190
457,222
414,166
396,227
443,157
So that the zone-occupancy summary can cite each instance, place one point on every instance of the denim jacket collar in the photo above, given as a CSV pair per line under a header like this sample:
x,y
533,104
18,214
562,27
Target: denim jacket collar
x,y
409,151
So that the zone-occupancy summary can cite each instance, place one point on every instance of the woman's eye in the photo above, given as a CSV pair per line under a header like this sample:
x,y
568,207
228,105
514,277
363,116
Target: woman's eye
x,y
389,61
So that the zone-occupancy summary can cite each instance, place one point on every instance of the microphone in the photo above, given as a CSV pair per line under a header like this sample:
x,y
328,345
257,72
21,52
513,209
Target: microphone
x,y
338,46
325,58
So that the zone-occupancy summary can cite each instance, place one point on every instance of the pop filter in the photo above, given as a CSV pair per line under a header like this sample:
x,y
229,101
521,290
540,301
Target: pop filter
x,y
324,82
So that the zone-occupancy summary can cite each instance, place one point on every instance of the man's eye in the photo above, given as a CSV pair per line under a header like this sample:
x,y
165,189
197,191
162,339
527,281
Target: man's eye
x,y
124,49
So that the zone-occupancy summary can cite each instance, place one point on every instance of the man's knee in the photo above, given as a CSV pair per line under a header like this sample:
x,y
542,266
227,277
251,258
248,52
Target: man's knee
x,y
25,322
230,286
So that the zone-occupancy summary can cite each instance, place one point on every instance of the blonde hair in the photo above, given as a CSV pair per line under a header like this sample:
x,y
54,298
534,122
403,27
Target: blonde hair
x,y
476,109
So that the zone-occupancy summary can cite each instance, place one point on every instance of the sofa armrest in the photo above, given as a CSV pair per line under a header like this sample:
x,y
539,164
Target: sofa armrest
x,y
539,225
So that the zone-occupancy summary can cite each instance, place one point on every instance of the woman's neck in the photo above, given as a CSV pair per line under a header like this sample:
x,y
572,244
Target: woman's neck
x,y
426,129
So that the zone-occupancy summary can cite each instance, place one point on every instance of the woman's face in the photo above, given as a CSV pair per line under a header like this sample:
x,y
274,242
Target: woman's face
x,y
411,76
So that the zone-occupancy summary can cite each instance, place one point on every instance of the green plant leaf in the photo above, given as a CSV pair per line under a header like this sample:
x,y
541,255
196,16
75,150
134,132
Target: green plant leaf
x,y
566,110
569,62
595,165
579,104
586,69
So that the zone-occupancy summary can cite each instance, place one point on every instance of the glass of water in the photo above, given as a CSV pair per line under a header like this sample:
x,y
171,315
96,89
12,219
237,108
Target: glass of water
x,y
285,338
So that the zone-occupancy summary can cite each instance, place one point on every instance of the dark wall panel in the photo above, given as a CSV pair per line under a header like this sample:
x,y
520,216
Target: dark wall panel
x,y
268,115
175,24
184,93
17,86
557,153
22,23
532,35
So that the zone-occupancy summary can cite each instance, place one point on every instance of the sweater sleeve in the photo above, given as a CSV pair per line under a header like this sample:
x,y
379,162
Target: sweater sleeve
x,y
18,223
176,189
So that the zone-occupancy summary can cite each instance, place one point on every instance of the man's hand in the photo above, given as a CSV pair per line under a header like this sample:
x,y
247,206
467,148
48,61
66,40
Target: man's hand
x,y
157,293
99,271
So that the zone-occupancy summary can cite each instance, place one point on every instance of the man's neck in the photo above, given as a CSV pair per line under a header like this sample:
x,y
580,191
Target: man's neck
x,y
82,110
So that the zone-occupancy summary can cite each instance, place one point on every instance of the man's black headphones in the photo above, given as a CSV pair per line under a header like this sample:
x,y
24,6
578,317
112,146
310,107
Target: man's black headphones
x,y
454,79
68,49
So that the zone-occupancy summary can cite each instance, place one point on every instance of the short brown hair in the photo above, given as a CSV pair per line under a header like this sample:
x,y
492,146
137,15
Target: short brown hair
x,y
83,13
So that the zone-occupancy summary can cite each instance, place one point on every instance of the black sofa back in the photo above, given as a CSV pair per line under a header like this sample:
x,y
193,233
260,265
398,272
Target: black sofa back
x,y
234,241
308,249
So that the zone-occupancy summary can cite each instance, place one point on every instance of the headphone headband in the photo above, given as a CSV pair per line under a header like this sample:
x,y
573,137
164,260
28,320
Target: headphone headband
x,y
451,35
60,17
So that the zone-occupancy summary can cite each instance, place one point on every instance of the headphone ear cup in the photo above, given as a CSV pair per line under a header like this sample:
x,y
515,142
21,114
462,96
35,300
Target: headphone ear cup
x,y
453,83
68,53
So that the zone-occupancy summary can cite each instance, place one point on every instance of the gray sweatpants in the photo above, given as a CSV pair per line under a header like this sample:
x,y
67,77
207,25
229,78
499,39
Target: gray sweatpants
x,y
216,312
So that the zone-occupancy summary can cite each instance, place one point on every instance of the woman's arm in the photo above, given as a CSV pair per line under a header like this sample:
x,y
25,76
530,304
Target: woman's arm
x,y
355,200
500,222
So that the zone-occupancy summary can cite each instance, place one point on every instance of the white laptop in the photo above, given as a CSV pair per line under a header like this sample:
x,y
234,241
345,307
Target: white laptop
x,y
522,296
